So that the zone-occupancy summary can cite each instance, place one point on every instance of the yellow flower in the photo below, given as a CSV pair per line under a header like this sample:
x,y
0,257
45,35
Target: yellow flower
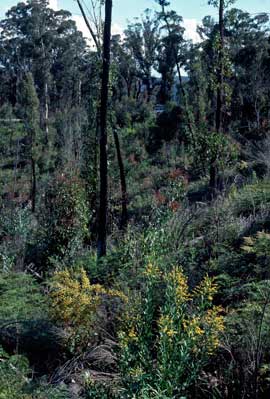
x,y
206,289
74,300
214,325
193,327
118,294
179,281
166,326
198,330
171,333
85,283
152,271
132,334
214,319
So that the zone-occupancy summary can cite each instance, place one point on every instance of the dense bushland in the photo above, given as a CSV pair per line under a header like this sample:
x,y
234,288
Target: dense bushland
x,y
178,307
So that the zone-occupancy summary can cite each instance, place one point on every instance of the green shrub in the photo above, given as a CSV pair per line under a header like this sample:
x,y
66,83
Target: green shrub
x,y
21,298
17,227
250,199
169,334
247,339
66,220
97,390
16,381
14,372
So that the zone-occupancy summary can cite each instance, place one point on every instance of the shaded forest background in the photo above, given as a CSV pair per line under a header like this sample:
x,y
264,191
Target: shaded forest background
x,y
134,205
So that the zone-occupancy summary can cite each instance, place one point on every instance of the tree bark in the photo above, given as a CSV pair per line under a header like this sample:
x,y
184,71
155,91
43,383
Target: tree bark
x,y
124,216
103,199
213,175
46,119
149,86
34,185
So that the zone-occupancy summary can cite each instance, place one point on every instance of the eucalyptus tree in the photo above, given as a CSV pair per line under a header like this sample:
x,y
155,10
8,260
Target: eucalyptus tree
x,y
142,39
250,54
103,167
29,110
219,44
170,50
34,38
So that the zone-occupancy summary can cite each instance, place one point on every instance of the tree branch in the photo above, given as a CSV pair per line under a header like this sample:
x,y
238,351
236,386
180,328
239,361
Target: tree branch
x,y
93,35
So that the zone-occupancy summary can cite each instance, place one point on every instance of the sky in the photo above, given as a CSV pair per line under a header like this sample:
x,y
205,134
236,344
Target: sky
x,y
191,10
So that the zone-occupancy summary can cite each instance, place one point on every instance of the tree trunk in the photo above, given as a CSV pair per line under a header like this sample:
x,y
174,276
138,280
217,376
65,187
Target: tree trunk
x,y
34,185
149,86
103,199
44,117
220,74
213,175
220,81
124,216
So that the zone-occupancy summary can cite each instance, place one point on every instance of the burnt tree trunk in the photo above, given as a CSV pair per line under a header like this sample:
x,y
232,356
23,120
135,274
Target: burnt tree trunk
x,y
103,195
124,215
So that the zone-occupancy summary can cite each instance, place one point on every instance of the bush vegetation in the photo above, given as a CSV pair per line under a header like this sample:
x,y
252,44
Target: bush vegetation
x,y
135,248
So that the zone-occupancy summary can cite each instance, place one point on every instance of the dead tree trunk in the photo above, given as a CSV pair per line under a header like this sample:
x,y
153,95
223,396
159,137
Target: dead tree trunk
x,y
124,215
103,195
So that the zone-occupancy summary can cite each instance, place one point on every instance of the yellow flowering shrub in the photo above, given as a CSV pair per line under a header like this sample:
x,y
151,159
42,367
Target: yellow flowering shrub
x,y
214,324
74,300
178,283
166,326
171,331
206,289
152,271
193,327
75,303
